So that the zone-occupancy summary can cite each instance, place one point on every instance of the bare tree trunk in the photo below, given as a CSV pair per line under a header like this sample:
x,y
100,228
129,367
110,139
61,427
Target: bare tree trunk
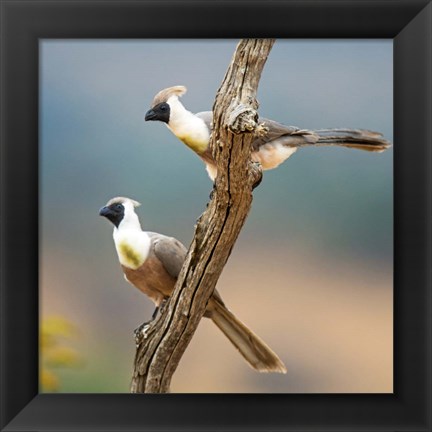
x,y
235,123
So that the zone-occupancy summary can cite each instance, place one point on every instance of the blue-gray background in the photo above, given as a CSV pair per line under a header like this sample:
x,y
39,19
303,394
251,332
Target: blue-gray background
x,y
312,270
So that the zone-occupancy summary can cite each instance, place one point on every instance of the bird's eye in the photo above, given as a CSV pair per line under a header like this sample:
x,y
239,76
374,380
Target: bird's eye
x,y
119,207
163,107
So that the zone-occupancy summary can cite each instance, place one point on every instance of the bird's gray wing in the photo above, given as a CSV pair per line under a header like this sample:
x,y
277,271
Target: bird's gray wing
x,y
207,116
169,251
172,253
286,135
290,136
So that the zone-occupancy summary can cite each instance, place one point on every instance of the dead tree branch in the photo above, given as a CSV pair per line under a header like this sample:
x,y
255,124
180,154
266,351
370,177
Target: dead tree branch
x,y
216,231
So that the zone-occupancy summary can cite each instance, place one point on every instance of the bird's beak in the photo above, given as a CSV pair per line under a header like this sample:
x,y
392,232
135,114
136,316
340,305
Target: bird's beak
x,y
104,211
150,115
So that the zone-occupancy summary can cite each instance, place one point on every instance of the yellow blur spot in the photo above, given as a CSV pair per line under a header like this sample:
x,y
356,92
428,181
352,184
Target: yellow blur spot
x,y
49,381
55,331
61,356
58,326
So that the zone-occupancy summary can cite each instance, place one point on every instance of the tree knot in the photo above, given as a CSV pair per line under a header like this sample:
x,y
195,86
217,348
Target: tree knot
x,y
242,119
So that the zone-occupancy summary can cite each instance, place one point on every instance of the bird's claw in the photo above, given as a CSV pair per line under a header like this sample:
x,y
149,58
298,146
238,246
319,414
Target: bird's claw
x,y
212,191
257,177
162,305
261,130
141,331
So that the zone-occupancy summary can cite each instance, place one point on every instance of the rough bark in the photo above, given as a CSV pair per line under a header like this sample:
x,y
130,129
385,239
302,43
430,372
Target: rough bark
x,y
216,231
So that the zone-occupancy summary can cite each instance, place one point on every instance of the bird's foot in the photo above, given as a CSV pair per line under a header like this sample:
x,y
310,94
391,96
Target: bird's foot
x,y
256,173
261,130
212,191
162,305
144,329
141,332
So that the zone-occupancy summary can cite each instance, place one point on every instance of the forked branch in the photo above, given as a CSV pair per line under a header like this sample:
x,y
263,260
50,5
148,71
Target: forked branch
x,y
235,123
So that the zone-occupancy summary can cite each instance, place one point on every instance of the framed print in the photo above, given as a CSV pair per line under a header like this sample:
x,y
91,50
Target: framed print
x,y
78,78
331,215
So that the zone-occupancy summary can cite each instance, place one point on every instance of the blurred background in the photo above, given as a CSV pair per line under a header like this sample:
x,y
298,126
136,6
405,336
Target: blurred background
x,y
312,271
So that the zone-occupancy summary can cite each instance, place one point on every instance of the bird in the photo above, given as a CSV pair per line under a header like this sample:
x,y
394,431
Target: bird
x,y
274,144
152,262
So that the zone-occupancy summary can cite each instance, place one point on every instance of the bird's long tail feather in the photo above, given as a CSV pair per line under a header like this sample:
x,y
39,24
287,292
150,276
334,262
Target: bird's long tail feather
x,y
353,138
255,351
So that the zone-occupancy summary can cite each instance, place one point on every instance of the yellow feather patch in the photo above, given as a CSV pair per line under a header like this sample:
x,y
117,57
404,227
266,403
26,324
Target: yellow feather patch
x,y
196,145
130,256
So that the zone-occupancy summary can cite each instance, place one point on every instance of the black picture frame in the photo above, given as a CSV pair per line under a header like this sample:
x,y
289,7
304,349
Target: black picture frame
x,y
23,23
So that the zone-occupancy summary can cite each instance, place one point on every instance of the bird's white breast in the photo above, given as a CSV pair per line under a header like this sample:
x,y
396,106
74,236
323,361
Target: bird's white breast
x,y
132,246
187,127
